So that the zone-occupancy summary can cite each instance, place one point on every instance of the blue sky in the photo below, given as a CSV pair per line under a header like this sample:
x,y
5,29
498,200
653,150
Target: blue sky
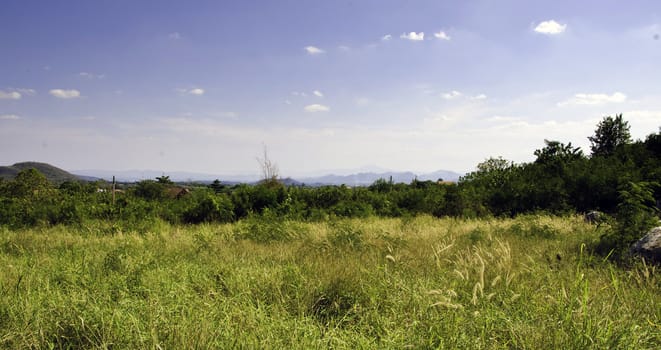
x,y
326,85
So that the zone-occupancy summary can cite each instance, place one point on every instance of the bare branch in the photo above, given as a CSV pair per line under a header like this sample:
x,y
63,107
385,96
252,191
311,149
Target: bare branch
x,y
269,168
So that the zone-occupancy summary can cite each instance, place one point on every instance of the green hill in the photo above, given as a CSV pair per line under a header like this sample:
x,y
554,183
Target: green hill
x,y
53,174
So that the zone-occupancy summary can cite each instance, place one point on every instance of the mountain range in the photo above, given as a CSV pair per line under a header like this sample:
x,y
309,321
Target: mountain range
x,y
362,178
355,179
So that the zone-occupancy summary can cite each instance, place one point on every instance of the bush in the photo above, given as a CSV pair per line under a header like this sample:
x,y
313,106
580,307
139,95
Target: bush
x,y
210,208
264,228
636,214
150,190
343,234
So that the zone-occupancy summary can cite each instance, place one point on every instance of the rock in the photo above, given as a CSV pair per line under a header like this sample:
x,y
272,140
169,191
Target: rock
x,y
594,217
649,246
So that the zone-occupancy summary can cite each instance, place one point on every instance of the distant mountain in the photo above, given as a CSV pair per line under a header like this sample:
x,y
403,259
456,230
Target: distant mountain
x,y
365,179
176,176
356,179
52,173
445,175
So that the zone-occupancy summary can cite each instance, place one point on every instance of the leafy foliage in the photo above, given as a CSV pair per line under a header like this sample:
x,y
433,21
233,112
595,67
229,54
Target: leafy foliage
x,y
610,134
636,215
210,208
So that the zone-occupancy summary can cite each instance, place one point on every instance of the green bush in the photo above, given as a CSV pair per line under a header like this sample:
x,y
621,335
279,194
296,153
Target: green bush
x,y
265,227
150,190
210,208
636,214
344,234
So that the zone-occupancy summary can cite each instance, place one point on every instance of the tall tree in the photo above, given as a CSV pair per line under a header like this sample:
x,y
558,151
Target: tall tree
x,y
609,135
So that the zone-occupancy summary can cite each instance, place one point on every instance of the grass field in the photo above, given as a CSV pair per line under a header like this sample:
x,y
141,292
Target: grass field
x,y
529,282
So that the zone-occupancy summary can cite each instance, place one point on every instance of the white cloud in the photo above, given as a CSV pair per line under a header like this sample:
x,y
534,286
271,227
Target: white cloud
x,y
9,117
362,101
344,48
9,95
193,91
65,94
442,35
479,97
413,36
174,36
594,99
297,93
29,92
318,93
386,37
313,108
88,75
644,119
313,50
451,95
644,114
550,27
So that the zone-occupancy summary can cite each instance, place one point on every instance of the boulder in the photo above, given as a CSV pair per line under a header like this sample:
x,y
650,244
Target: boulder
x,y
594,217
649,246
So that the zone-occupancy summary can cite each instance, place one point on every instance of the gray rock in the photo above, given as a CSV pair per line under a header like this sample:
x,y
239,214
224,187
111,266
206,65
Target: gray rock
x,y
594,217
649,246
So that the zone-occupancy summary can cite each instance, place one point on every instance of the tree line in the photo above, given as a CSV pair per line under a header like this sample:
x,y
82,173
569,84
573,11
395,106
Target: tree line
x,y
619,177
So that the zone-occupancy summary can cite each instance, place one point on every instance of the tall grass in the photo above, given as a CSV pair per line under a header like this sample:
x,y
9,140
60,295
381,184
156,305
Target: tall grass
x,y
418,282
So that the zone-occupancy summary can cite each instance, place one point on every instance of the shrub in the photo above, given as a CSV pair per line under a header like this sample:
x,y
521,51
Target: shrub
x,y
529,226
150,190
264,228
209,209
636,214
345,235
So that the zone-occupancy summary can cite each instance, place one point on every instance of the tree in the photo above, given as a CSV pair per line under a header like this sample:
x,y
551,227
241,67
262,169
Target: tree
x,y
217,186
493,184
29,183
609,135
269,168
165,180
150,189
556,151
493,172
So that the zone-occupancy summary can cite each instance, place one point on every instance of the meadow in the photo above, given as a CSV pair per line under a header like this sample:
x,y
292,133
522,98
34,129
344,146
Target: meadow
x,y
413,282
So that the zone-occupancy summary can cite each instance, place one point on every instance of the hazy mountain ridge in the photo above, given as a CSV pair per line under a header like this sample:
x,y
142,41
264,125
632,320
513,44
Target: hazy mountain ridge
x,y
364,179
177,176
357,179
56,174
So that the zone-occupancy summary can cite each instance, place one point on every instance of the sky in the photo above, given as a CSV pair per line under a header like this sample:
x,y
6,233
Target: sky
x,y
325,86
